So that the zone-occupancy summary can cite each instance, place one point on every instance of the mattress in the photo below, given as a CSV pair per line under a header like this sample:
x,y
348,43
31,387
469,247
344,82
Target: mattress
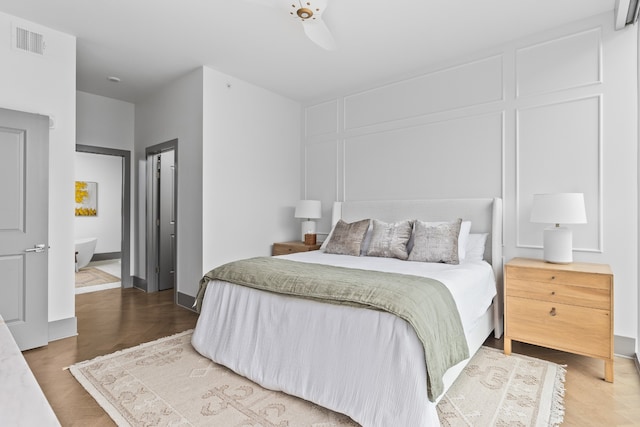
x,y
367,364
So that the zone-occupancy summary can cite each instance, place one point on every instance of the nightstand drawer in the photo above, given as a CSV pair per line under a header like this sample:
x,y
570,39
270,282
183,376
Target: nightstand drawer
x,y
542,323
559,277
596,297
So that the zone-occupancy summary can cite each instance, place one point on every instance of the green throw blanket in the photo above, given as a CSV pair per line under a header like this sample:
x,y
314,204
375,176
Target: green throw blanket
x,y
426,304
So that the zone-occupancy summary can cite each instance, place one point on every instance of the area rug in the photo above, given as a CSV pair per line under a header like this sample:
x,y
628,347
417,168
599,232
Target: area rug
x,y
90,276
166,382
499,390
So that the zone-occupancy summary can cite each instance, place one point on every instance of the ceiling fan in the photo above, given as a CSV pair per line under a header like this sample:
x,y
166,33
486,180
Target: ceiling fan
x,y
309,13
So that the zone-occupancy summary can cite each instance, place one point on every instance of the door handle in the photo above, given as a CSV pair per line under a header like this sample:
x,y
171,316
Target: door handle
x,y
36,248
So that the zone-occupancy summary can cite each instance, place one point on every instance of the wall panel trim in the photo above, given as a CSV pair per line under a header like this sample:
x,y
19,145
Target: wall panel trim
x,y
600,224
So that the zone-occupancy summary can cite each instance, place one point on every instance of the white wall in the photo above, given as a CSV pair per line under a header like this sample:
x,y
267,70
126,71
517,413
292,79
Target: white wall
x,y
109,123
46,85
555,112
174,112
104,122
251,169
106,171
238,168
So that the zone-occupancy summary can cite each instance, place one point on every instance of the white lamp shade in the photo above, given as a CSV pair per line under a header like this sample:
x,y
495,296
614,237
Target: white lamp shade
x,y
309,209
559,208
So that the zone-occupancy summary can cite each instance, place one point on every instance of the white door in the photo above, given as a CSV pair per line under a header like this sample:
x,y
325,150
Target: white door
x,y
24,203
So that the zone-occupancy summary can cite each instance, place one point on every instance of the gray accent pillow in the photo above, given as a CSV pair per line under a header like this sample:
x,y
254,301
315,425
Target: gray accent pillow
x,y
347,238
436,242
390,240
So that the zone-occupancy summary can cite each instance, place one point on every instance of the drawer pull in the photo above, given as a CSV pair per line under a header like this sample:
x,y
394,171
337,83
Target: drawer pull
x,y
553,292
553,277
552,312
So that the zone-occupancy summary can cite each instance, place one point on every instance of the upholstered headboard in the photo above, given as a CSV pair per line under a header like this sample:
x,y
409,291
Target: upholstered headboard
x,y
485,216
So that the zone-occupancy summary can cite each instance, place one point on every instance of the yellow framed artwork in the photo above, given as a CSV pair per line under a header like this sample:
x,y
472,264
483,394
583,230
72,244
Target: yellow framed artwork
x,y
86,198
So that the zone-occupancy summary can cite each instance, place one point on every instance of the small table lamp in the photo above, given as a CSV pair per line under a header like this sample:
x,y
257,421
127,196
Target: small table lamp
x,y
309,210
560,208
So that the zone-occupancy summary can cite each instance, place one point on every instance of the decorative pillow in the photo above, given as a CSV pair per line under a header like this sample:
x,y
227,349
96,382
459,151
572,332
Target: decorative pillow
x,y
390,240
475,246
436,242
465,228
346,239
325,242
365,241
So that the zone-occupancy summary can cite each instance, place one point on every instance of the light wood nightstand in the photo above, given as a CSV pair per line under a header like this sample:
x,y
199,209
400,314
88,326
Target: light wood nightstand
x,y
284,248
567,307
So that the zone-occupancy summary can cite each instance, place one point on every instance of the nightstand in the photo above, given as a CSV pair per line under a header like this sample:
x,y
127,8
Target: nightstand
x,y
284,248
568,307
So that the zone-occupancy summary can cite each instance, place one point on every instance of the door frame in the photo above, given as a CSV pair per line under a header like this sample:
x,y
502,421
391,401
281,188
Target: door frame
x,y
152,247
125,239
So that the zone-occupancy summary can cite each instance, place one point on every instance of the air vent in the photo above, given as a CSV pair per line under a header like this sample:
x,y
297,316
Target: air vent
x,y
29,41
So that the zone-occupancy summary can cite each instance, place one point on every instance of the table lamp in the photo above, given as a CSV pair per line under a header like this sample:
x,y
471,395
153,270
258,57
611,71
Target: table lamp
x,y
559,208
309,210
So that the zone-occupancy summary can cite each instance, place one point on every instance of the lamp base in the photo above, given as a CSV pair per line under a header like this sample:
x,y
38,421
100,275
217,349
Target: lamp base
x,y
308,227
558,245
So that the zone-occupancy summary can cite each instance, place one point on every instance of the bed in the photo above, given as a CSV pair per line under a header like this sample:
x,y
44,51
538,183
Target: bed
x,y
367,363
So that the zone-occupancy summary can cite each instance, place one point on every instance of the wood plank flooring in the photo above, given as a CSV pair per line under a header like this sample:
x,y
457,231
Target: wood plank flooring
x,y
115,319
108,321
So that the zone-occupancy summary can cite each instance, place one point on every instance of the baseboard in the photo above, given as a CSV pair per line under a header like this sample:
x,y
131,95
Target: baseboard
x,y
63,328
139,283
106,256
127,282
637,361
186,301
624,346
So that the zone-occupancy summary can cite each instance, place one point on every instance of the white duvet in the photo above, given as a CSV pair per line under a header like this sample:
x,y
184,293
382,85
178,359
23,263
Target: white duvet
x,y
364,363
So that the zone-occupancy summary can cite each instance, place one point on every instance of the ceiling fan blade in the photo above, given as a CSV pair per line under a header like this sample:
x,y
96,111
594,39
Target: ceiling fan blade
x,y
318,32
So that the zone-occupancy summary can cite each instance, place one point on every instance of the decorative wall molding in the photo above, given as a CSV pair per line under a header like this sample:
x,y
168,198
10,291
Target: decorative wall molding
x,y
536,76
563,129
465,85
321,119
460,157
595,103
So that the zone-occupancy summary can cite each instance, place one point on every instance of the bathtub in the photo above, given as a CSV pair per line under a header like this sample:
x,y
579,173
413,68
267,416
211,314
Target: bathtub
x,y
84,251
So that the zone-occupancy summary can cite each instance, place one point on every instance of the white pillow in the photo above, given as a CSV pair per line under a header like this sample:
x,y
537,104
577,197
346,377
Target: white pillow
x,y
463,237
475,246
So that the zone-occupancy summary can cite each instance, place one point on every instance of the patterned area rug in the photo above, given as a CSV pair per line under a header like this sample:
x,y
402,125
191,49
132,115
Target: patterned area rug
x,y
90,276
166,382
499,390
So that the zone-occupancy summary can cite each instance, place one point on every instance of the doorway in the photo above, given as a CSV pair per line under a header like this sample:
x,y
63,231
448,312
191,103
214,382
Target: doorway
x,y
125,234
162,196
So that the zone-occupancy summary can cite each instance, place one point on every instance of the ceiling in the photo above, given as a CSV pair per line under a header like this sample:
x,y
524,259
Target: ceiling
x,y
147,43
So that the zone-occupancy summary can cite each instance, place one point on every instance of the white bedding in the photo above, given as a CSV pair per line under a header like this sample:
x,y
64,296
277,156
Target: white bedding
x,y
471,283
364,363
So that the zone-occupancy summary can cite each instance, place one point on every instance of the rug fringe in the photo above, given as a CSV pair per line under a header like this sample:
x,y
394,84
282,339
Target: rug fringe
x,y
557,405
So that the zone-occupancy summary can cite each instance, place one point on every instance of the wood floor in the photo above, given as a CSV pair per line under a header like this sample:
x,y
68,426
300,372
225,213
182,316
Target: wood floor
x,y
115,319
108,321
